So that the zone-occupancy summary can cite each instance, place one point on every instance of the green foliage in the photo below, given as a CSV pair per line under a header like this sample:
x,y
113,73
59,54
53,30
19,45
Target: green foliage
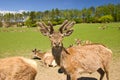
x,y
117,12
78,20
54,22
57,21
106,18
30,23
20,24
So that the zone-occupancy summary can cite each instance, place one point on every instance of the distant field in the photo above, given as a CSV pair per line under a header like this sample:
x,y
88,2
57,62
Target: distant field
x,y
21,41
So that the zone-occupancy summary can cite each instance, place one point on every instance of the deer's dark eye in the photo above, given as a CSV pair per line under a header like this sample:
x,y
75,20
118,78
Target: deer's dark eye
x,y
50,36
62,35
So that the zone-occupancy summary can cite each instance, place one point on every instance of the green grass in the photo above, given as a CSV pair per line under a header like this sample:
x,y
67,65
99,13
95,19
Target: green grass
x,y
21,41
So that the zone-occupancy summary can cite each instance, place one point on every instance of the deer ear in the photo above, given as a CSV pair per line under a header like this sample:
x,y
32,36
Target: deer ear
x,y
68,33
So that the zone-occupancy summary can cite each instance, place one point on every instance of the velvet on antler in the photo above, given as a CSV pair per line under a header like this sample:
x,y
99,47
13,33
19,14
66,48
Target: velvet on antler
x,y
46,29
65,28
67,25
51,30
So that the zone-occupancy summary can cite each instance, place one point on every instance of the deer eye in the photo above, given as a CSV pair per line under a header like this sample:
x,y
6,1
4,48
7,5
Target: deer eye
x,y
62,35
50,36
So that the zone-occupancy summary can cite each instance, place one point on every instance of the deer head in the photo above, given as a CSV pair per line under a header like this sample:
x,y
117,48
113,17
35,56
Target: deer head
x,y
35,51
56,37
37,54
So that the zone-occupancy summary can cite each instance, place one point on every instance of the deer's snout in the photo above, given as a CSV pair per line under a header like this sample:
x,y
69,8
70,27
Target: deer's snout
x,y
57,43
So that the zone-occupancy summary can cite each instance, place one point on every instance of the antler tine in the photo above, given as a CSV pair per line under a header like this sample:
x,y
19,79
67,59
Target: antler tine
x,y
40,24
65,27
70,25
51,27
44,25
62,26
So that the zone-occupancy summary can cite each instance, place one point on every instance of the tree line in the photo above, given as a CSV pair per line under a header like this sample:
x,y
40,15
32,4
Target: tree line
x,y
99,14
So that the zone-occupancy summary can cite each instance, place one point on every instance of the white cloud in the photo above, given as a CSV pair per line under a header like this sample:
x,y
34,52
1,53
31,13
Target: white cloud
x,y
6,11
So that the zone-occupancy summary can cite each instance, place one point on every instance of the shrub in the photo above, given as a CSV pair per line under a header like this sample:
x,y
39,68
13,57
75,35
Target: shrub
x,y
30,23
106,18
78,20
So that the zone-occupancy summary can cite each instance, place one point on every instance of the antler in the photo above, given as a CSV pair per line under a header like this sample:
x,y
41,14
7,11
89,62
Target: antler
x,y
66,26
51,27
62,26
43,25
69,25
46,29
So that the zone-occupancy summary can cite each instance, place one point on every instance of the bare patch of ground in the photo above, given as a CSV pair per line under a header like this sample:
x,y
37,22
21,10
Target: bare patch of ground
x,y
50,73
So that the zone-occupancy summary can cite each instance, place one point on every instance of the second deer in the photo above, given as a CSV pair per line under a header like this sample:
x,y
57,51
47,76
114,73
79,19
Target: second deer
x,y
46,57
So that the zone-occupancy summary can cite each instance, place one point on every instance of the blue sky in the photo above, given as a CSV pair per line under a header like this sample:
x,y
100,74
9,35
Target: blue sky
x,y
42,5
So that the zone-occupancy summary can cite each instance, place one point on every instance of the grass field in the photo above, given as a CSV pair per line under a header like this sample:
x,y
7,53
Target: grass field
x,y
21,41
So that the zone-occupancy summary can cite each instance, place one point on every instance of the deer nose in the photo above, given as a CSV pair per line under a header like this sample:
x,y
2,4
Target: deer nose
x,y
57,43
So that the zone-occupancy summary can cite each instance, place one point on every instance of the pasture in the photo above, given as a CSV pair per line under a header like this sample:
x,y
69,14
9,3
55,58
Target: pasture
x,y
21,41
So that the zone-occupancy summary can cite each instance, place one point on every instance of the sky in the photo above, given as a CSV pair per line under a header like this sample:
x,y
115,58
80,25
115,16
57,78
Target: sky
x,y
42,5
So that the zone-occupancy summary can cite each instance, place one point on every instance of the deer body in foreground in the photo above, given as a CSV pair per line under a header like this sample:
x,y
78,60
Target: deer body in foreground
x,y
46,57
77,59
17,68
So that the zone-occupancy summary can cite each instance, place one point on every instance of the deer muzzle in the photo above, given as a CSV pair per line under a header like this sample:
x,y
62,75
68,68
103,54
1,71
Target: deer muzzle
x,y
57,44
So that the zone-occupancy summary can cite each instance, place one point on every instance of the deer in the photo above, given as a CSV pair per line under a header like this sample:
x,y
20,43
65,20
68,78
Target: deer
x,y
77,59
80,42
17,68
46,57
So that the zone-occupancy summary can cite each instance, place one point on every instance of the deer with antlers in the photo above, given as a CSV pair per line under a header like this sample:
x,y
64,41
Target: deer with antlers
x,y
76,59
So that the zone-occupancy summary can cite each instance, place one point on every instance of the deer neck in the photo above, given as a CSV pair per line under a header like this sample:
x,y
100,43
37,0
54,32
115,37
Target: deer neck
x,y
59,54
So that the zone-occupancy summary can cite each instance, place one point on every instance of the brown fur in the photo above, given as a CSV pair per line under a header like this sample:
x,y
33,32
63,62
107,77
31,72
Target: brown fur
x,y
78,42
46,57
38,54
84,59
17,68
87,58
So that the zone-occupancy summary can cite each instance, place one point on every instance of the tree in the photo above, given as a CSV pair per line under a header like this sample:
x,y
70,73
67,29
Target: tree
x,y
90,14
84,14
106,18
117,12
32,16
1,17
104,13
31,19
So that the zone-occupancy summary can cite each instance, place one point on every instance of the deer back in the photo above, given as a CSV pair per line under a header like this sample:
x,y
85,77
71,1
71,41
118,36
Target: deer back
x,y
17,68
